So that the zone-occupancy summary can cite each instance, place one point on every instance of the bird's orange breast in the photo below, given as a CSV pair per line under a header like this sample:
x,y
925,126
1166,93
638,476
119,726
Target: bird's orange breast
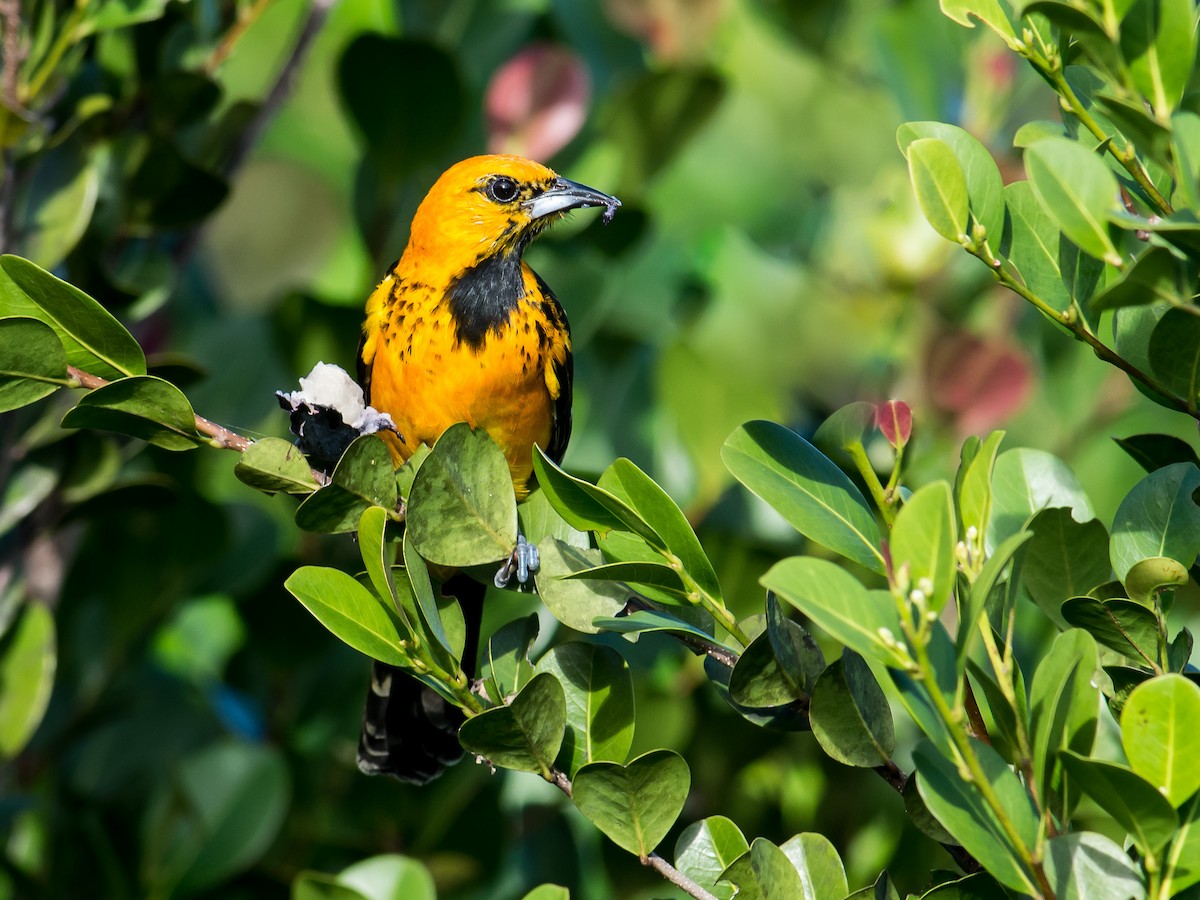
x,y
428,377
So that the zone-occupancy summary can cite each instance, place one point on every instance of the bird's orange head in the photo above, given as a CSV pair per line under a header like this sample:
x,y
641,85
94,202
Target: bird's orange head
x,y
489,206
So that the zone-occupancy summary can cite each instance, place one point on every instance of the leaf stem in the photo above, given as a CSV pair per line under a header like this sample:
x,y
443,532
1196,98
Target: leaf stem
x,y
1073,321
1125,155
966,752
884,497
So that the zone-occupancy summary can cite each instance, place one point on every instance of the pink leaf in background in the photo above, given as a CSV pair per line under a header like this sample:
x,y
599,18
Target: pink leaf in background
x,y
979,382
537,102
894,419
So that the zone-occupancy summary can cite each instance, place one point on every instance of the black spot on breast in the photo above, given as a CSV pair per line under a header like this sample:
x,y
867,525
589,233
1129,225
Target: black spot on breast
x,y
483,297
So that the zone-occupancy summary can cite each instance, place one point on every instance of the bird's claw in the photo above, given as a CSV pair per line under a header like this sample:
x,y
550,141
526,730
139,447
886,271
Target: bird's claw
x,y
524,561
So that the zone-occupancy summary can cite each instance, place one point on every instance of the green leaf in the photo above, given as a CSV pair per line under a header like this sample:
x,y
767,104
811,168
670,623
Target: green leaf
x,y
417,572
923,539
349,610
273,465
576,603
980,886
844,429
1150,577
93,340
630,484
1005,715
850,716
1078,191
506,666
757,680
1035,247
1122,625
1181,869
1155,451
1027,481
1158,518
319,886
822,875
113,14
143,406
973,487
1064,559
650,574
1087,866
1156,275
1064,707
961,809
1132,801
525,735
548,892
800,659
33,364
462,510
985,187
1185,148
653,620
803,486
634,805
707,848
586,506
989,12
1158,41
363,477
378,555
389,877
838,603
764,872
1158,724
215,815
1175,353
600,704
28,660
991,577
941,187
882,889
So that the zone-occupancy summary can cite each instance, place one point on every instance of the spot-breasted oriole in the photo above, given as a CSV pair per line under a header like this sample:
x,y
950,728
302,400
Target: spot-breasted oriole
x,y
461,329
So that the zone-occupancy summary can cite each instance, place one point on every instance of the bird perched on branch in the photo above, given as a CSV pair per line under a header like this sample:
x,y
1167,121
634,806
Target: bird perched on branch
x,y
461,329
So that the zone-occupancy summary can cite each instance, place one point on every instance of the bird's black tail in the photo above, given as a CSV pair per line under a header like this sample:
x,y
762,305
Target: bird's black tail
x,y
409,731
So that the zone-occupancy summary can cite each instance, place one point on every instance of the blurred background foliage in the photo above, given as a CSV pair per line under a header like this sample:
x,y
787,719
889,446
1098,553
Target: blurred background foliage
x,y
768,262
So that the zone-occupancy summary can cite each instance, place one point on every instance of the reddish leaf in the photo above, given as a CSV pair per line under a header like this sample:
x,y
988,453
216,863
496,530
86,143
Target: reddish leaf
x,y
537,102
894,419
980,382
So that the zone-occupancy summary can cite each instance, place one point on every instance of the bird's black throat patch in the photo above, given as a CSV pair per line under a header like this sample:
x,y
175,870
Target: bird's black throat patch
x,y
484,296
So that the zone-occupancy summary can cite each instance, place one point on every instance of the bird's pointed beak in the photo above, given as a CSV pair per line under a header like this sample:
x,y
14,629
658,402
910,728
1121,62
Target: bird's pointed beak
x,y
564,195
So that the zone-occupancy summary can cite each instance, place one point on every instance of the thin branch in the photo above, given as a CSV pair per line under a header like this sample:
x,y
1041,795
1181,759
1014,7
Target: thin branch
x,y
219,435
722,655
677,878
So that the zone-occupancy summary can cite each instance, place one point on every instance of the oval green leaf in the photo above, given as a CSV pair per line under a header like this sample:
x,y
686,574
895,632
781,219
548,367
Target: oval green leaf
x,y
275,466
144,407
93,340
850,716
525,735
33,363
1078,191
348,610
462,510
923,539
941,187
803,486
1158,727
599,698
1157,518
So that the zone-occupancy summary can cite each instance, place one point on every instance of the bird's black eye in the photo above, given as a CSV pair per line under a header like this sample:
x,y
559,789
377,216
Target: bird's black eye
x,y
502,189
